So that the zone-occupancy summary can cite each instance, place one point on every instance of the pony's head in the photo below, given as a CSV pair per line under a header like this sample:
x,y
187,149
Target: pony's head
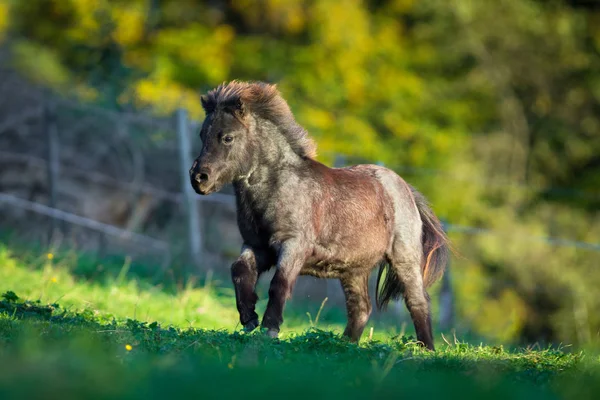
x,y
238,115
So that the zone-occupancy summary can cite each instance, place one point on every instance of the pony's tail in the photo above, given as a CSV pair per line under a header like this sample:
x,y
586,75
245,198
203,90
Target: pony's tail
x,y
435,256
435,242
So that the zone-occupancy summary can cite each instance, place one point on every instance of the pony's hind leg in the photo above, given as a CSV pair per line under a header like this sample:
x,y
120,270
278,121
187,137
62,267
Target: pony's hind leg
x,y
408,271
418,304
358,304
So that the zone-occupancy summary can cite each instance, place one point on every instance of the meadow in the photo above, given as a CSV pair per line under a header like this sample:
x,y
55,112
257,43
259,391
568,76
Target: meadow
x,y
74,328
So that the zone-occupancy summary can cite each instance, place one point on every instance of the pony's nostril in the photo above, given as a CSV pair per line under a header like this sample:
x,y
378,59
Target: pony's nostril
x,y
202,177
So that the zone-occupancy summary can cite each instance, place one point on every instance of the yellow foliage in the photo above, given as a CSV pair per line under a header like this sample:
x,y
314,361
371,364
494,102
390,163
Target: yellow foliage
x,y
398,125
335,32
359,130
129,23
316,118
87,18
344,52
95,21
165,97
4,11
359,137
355,84
204,49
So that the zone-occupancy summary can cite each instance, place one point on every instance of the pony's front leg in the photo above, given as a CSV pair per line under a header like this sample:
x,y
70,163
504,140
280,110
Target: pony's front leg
x,y
244,274
291,259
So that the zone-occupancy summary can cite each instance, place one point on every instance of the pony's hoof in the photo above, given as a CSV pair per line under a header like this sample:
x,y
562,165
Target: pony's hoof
x,y
272,333
250,326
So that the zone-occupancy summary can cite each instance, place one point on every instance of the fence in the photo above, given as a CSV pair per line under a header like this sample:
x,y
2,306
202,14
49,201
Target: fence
x,y
112,170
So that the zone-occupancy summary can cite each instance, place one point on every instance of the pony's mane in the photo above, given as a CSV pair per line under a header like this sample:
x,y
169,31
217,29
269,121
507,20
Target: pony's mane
x,y
264,100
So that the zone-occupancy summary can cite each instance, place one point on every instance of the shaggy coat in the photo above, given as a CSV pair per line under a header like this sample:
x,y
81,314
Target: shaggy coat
x,y
305,218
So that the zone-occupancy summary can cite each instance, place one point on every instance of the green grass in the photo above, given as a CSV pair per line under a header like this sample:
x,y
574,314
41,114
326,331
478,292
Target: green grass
x,y
123,290
67,334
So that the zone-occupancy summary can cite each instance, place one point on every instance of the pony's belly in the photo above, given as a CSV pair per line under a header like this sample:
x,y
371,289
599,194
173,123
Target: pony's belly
x,y
324,270
333,269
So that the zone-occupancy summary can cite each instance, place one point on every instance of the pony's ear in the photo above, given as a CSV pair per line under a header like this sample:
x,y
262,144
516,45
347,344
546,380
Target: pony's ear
x,y
206,104
240,108
237,107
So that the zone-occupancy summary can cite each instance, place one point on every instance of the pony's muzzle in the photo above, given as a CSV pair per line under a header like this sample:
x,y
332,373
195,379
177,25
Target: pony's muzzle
x,y
200,178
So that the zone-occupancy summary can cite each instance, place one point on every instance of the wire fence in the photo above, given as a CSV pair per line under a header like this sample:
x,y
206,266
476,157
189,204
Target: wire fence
x,y
118,169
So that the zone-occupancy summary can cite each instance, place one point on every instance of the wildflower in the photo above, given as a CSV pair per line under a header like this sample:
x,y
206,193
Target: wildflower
x,y
53,279
50,256
128,347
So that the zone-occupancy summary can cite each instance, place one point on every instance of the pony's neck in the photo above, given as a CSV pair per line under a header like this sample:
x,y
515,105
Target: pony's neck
x,y
273,155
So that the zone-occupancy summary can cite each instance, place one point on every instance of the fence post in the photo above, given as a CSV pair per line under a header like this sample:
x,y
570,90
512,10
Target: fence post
x,y
53,163
193,220
446,296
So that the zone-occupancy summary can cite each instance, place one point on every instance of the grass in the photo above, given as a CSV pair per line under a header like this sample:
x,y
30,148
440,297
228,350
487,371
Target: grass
x,y
138,291
124,291
115,336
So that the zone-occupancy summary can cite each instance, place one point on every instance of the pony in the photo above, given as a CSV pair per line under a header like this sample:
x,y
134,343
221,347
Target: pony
x,y
304,218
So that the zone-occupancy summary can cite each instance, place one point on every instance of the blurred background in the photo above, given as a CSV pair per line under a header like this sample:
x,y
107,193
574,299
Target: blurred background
x,y
491,108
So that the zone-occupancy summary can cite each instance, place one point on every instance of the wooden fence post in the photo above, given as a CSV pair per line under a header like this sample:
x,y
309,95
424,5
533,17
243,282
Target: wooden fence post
x,y
53,163
195,241
446,296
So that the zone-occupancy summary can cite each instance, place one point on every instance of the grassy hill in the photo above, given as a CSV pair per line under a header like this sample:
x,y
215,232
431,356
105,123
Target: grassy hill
x,y
63,335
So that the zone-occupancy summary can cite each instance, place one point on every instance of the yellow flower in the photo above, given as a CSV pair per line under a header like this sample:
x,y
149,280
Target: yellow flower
x,y
50,256
128,347
53,279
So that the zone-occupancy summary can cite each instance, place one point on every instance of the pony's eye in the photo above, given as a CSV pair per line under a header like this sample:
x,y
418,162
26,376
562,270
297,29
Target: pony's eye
x,y
227,139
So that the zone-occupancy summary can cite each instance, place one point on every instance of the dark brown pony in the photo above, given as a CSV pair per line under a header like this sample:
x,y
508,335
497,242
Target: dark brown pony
x,y
308,219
